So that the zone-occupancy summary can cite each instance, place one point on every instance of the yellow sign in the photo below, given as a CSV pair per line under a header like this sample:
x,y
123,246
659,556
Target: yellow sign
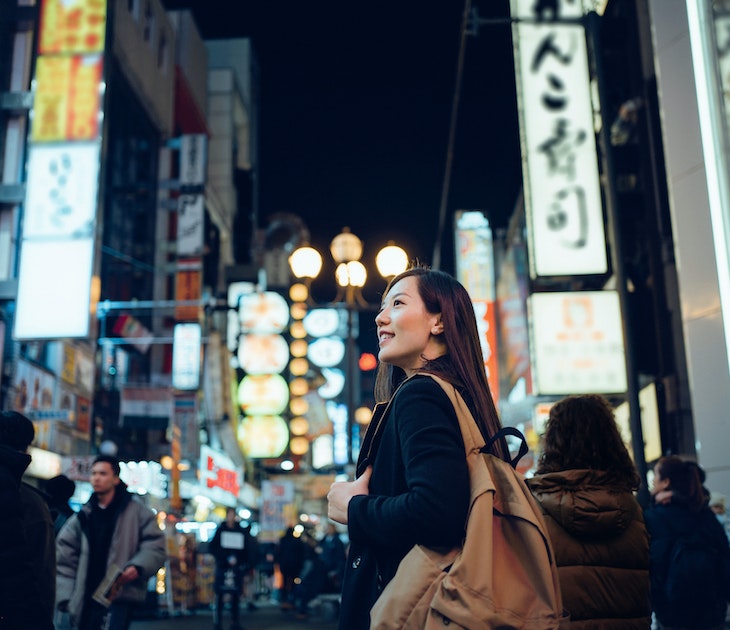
x,y
72,26
67,100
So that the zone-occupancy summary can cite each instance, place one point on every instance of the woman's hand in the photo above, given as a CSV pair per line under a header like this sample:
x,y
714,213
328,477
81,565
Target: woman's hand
x,y
338,498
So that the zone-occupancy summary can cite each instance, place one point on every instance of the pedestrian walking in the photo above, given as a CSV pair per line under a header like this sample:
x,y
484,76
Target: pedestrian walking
x,y
289,556
585,483
234,554
106,553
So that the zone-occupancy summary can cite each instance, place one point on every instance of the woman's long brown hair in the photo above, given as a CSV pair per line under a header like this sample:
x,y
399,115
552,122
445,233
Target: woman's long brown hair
x,y
463,365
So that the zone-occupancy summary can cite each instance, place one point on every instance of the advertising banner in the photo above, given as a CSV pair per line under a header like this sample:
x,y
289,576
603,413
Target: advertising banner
x,y
72,26
277,500
475,270
186,356
577,343
186,420
188,287
219,477
67,100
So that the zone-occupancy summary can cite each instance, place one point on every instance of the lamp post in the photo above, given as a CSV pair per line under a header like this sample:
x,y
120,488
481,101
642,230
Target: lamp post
x,y
351,275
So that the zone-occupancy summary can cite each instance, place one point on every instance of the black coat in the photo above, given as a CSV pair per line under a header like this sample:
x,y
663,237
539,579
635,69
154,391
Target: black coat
x,y
665,524
236,559
419,493
24,603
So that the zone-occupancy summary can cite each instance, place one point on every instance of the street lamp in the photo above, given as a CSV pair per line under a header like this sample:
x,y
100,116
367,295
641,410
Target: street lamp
x,y
351,275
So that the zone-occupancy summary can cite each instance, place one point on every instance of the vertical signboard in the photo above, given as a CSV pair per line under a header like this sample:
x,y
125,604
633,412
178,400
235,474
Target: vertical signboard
x,y
57,247
186,356
277,501
559,161
514,347
475,270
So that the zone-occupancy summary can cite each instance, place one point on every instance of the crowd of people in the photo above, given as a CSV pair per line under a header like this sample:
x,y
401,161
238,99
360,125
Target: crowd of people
x,y
619,564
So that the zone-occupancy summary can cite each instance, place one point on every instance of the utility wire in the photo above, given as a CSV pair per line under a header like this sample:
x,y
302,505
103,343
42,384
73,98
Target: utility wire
x,y
436,260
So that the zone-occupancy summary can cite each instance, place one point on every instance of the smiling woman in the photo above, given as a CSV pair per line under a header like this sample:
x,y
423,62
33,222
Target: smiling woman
x,y
413,485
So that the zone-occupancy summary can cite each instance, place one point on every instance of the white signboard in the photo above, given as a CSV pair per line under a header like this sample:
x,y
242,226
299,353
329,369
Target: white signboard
x,y
577,344
56,253
61,191
193,148
54,289
186,356
190,225
560,168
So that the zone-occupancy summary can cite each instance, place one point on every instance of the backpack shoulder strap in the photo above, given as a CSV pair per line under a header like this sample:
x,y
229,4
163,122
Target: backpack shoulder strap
x,y
504,432
473,438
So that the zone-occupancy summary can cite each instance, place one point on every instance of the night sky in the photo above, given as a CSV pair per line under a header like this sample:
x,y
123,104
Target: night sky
x,y
356,101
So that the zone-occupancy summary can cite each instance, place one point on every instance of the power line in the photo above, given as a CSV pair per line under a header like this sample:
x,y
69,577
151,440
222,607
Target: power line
x,y
436,259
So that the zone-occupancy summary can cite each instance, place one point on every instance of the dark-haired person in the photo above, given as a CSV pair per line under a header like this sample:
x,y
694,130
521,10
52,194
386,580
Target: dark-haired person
x,y
585,483
60,489
114,528
27,554
233,550
690,553
412,483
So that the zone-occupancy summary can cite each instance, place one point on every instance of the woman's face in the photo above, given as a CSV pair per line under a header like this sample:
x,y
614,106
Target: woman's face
x,y
406,331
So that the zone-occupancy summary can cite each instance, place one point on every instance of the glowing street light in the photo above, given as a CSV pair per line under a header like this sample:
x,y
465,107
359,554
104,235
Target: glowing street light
x,y
351,275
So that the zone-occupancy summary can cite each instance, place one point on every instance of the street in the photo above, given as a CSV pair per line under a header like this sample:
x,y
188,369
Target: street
x,y
267,616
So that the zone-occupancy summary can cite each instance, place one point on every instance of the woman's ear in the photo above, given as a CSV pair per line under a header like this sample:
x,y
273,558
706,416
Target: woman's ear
x,y
437,328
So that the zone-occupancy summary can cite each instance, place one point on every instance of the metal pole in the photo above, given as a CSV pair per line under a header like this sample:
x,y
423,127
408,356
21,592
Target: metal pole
x,y
632,379
351,377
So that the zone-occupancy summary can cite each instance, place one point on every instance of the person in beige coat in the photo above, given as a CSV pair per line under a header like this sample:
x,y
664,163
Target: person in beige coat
x,y
585,483
113,532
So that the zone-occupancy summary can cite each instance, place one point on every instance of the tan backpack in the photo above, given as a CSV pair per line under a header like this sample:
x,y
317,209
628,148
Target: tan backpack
x,y
504,576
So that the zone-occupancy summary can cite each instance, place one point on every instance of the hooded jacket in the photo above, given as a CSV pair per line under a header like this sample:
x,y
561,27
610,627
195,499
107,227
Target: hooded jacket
x,y
601,547
136,541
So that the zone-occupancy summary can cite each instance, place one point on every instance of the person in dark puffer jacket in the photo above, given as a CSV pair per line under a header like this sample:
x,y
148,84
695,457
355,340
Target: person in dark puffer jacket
x,y
691,592
584,483
25,600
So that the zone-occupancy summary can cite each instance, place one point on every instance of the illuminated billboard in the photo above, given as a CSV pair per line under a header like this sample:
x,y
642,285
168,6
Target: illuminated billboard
x,y
560,166
577,344
67,98
54,289
475,270
72,26
61,197
186,356
57,290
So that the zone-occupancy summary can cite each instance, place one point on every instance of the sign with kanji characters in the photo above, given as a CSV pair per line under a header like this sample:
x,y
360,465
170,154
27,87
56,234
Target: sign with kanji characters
x,y
560,166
